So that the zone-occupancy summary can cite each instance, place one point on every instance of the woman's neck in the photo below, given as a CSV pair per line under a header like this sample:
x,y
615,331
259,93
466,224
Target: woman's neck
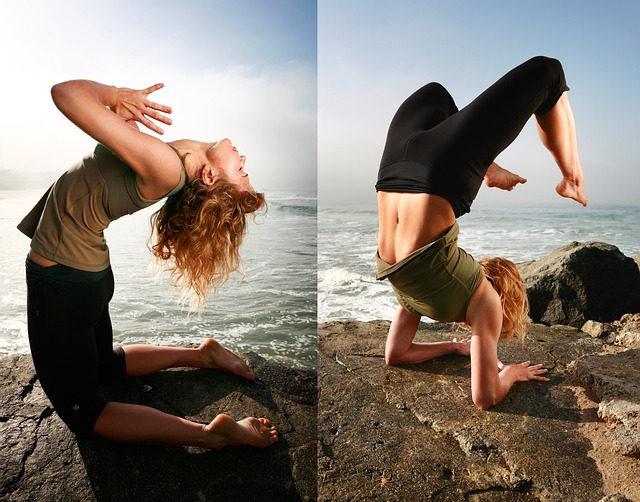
x,y
191,153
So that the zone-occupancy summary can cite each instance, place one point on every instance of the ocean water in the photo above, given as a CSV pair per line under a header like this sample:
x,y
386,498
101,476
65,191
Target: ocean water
x,y
347,288
271,310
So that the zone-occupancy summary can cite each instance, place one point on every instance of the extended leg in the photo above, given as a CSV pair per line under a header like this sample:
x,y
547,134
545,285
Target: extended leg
x,y
401,349
147,359
558,134
132,423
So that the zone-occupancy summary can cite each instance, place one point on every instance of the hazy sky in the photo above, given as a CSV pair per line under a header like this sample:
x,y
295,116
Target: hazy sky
x,y
373,54
246,69
242,69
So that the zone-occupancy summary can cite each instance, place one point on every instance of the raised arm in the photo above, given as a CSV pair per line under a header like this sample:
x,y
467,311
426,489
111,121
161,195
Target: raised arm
x,y
489,385
106,113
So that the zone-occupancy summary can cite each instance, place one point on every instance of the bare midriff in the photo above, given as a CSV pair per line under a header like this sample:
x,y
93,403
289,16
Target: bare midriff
x,y
409,221
41,260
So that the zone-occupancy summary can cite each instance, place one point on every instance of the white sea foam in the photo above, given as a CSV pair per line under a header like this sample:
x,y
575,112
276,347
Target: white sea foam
x,y
338,277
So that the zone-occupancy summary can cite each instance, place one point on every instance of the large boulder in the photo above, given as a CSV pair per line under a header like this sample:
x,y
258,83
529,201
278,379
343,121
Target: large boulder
x,y
41,460
580,282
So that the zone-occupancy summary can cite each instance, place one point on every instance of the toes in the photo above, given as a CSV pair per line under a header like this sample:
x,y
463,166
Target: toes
x,y
245,372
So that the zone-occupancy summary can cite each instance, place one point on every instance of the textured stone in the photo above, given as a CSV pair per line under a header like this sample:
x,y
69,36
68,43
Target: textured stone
x,y
616,497
596,329
614,380
411,432
42,460
580,282
628,331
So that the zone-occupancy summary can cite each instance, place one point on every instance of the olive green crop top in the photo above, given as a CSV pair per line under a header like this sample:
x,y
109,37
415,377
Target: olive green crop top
x,y
67,225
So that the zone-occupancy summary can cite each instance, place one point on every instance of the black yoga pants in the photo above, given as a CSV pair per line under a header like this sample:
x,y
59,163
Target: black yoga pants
x,y
71,339
433,148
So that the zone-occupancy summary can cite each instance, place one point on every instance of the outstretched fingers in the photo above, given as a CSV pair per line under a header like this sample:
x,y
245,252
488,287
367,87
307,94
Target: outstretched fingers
x,y
154,110
533,372
157,106
132,104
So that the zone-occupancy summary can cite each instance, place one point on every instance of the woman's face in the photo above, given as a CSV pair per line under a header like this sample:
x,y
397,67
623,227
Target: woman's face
x,y
229,164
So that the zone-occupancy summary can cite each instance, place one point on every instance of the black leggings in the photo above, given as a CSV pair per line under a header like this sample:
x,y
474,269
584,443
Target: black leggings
x,y
434,148
71,339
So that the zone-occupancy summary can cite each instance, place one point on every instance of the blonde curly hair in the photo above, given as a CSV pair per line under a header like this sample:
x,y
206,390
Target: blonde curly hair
x,y
198,233
506,280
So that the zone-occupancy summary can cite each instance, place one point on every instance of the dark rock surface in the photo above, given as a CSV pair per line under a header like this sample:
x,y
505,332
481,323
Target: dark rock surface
x,y
580,282
412,432
42,460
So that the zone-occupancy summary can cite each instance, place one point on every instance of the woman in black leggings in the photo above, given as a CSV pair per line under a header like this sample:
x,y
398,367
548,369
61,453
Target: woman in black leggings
x,y
197,235
433,165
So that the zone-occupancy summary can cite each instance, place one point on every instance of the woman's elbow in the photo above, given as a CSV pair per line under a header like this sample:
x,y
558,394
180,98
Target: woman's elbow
x,y
62,90
482,405
390,359
483,401
57,91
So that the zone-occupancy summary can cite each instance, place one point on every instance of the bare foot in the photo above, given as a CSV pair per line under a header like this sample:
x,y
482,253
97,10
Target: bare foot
x,y
499,177
219,358
572,189
225,431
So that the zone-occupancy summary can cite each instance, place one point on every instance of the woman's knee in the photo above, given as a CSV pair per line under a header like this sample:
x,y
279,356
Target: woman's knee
x,y
550,74
113,365
81,415
545,66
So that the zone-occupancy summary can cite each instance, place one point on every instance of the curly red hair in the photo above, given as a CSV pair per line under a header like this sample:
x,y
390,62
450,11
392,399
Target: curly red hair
x,y
198,233
506,280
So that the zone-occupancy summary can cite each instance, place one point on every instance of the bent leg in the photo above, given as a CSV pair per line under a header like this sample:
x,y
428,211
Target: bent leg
x,y
558,134
111,361
461,149
401,349
132,423
63,306
146,359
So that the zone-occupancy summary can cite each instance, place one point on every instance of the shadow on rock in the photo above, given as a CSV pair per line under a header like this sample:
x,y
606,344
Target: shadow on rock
x,y
126,472
42,460
391,432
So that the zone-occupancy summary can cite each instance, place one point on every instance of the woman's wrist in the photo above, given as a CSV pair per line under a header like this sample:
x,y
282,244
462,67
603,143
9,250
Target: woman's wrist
x,y
108,95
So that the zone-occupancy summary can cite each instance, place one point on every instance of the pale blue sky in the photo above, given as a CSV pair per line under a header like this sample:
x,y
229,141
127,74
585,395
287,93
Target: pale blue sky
x,y
247,70
373,54
244,69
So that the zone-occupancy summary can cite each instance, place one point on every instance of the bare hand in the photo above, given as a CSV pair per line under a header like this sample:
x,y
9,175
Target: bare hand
x,y
133,105
462,347
524,372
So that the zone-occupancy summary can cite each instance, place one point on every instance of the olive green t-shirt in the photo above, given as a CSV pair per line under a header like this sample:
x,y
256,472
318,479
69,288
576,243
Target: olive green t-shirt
x,y
67,225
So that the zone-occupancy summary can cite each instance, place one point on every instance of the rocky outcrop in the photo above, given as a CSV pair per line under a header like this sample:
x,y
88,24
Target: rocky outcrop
x,y
412,432
614,380
627,331
42,460
580,282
